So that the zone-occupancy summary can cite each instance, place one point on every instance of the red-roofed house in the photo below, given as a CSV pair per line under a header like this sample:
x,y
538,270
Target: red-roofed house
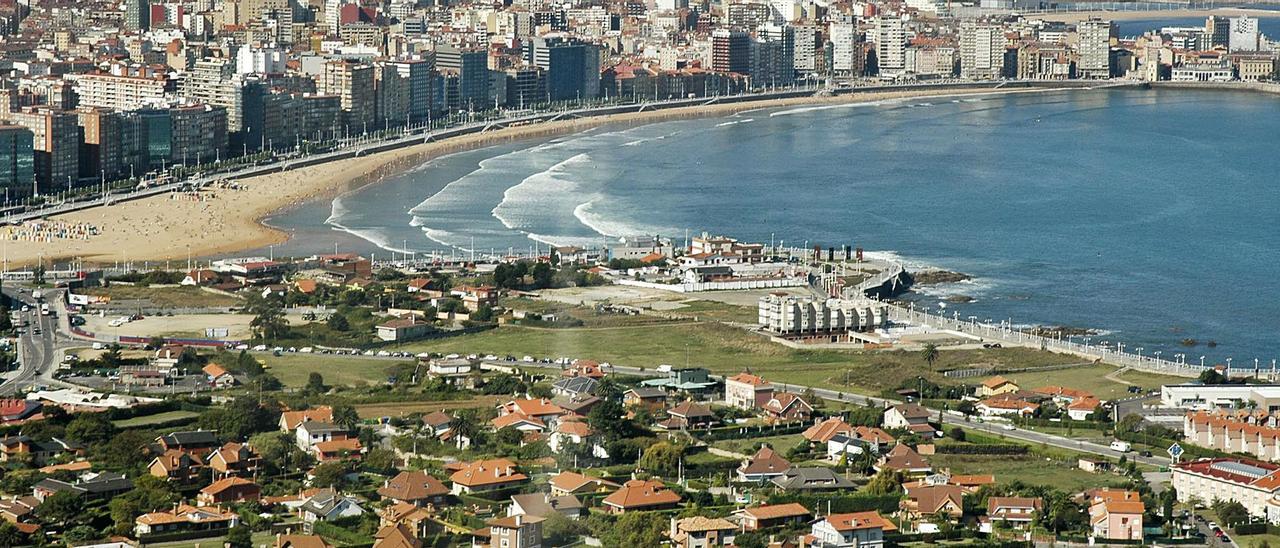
x,y
747,391
228,490
485,475
638,495
858,529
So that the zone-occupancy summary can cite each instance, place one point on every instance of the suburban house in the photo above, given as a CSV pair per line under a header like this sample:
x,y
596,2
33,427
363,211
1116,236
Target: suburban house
x,y
1005,405
1017,511
517,531
773,515
853,530
228,490
573,387
89,486
747,391
785,406
301,541
543,505
309,433
573,483
186,519
905,459
641,495
823,431
414,487
403,329
1116,514
701,532
653,399
177,466
218,376
995,386
688,414
417,519
923,502
909,416
198,442
328,505
342,449
484,475
811,479
233,459
291,420
1081,408
542,410
765,465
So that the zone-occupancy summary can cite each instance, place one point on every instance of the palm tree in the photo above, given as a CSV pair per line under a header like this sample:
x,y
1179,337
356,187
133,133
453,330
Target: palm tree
x,y
346,417
930,354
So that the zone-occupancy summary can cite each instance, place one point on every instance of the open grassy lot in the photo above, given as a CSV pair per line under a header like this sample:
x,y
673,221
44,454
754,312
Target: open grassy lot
x,y
185,296
396,409
726,349
1092,378
746,446
1255,541
292,369
1030,469
157,419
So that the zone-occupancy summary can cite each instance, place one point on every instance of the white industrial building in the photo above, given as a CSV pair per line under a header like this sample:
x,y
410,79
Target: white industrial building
x,y
1213,396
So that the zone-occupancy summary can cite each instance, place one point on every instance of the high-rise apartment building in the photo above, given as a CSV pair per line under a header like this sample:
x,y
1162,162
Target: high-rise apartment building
x,y
847,55
56,145
17,161
1218,29
1244,34
1095,48
352,82
730,51
891,46
982,47
213,81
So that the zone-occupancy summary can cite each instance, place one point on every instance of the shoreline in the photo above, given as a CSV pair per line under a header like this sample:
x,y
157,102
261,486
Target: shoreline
x,y
1077,16
177,227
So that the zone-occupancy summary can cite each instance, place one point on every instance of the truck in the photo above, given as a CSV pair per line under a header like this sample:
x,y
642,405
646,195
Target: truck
x,y
1121,446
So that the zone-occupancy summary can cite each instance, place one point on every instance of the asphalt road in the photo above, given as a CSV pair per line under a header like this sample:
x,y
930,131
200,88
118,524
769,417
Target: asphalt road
x,y
38,353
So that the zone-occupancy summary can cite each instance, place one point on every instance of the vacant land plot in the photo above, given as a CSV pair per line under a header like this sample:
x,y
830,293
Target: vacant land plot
x,y
1092,378
726,349
747,446
167,297
1028,469
184,325
398,409
168,417
293,369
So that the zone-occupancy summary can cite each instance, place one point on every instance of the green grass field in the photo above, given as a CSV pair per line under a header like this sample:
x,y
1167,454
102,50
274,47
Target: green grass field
x,y
1029,469
746,446
1091,378
293,369
726,349
168,417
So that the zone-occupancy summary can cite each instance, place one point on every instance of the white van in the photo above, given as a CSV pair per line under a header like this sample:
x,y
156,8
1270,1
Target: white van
x,y
1121,446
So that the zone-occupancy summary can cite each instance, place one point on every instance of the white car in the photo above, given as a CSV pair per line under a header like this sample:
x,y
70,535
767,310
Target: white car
x,y
1008,427
383,353
527,359
260,348
242,347
305,350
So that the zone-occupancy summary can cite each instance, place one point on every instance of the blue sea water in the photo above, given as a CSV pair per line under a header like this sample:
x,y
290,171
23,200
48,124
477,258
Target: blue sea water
x,y
1147,213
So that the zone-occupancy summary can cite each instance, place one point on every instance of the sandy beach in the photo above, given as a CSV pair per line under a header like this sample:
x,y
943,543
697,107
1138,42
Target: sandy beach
x,y
224,221
1073,17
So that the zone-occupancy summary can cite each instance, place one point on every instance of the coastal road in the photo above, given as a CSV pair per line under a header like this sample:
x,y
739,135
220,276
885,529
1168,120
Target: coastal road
x,y
41,344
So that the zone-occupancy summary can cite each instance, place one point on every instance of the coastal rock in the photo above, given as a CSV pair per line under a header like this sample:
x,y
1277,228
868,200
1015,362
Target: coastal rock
x,y
934,277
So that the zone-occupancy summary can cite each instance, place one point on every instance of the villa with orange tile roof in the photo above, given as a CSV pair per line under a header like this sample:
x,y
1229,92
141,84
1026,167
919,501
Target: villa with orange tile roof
x,y
747,391
573,483
332,450
1116,515
485,475
413,487
995,386
637,495
290,420
861,529
186,518
773,515
228,490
